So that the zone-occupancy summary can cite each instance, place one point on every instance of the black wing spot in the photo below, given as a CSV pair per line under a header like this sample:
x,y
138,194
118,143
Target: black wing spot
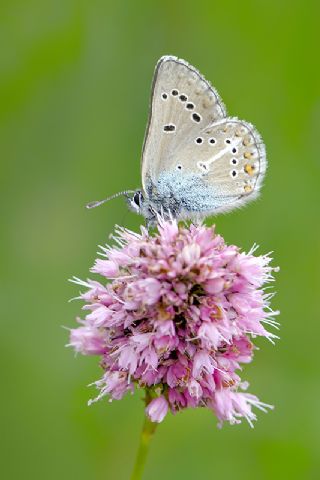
x,y
212,140
183,98
203,166
164,96
199,140
196,117
169,128
174,93
190,106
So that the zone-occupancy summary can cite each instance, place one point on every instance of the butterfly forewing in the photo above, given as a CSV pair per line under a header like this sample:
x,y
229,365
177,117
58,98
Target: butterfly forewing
x,y
182,104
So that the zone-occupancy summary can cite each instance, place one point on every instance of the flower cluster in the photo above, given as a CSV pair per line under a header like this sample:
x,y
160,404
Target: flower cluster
x,y
176,317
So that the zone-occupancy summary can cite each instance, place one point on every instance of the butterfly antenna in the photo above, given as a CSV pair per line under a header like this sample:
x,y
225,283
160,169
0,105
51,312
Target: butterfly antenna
x,y
100,202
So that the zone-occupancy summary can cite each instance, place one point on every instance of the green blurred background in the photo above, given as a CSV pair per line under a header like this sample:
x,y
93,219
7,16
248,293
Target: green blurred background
x,y
74,93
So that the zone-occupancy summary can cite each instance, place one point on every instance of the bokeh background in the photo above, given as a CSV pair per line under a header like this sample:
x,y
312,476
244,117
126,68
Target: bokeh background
x,y
74,93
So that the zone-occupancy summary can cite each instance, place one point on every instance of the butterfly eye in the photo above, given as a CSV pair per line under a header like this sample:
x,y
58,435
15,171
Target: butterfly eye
x,y
179,167
136,198
164,96
212,141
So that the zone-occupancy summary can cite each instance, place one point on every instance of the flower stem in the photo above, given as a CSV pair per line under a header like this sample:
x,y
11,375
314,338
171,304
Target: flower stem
x,y
148,430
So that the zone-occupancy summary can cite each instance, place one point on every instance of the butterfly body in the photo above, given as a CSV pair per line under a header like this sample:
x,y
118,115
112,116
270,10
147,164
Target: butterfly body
x,y
169,196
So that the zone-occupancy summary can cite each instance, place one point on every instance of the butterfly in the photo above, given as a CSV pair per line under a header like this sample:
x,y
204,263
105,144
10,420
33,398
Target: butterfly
x,y
196,161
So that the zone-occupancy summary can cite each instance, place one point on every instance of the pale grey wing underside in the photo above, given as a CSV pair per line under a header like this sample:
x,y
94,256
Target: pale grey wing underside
x,y
228,155
218,169
182,104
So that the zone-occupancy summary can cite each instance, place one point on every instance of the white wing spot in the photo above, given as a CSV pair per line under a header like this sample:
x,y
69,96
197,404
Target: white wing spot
x,y
217,156
203,167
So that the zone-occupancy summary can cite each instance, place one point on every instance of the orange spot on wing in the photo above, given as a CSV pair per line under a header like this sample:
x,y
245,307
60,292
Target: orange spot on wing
x,y
249,169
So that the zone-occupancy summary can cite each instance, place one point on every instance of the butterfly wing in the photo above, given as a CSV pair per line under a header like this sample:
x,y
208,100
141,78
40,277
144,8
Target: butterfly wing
x,y
182,103
225,163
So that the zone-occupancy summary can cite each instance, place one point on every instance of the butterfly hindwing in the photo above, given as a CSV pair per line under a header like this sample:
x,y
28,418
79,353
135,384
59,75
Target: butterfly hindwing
x,y
229,156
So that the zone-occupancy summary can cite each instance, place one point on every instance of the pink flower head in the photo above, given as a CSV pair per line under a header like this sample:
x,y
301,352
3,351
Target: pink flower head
x,y
175,314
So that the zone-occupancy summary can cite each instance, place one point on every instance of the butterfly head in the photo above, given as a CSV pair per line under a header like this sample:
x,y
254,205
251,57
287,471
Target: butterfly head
x,y
142,205
135,201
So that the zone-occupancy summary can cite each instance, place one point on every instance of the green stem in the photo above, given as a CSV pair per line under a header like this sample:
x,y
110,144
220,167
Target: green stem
x,y
145,437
